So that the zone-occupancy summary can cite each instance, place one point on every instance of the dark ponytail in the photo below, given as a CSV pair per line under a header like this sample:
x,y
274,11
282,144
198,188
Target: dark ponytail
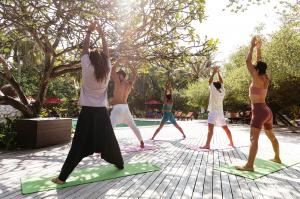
x,y
261,67
100,64
218,86
169,97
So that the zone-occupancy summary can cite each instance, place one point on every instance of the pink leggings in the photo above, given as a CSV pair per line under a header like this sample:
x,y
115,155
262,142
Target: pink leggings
x,y
261,116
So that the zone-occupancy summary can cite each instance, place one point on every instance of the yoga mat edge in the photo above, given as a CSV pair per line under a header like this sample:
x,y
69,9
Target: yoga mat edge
x,y
85,176
262,168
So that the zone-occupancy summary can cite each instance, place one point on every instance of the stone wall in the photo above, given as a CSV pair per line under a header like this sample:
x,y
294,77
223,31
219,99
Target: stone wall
x,y
7,111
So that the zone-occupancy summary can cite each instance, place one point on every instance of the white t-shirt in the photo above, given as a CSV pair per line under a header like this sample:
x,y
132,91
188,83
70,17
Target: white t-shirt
x,y
216,98
92,93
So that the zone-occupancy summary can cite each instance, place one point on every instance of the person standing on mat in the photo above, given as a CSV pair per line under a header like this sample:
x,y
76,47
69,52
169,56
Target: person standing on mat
x,y
167,112
215,108
120,112
94,132
261,114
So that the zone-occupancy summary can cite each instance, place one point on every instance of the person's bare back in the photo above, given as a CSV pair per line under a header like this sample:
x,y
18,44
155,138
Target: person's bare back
x,y
121,92
122,86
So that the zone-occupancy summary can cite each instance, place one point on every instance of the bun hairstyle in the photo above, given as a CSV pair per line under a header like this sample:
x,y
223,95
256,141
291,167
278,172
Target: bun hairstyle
x,y
261,67
100,63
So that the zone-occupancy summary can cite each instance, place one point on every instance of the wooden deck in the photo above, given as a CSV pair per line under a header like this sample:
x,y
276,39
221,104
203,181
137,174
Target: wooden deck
x,y
184,173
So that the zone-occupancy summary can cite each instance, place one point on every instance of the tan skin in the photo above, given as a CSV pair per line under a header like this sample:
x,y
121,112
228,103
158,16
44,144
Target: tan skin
x,y
122,86
259,81
168,90
93,26
211,126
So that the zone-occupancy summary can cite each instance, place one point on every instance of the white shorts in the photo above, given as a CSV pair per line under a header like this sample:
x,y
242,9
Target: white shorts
x,y
217,118
120,114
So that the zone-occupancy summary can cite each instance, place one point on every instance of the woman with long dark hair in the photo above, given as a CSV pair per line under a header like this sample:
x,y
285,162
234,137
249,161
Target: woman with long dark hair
x,y
167,111
261,113
94,132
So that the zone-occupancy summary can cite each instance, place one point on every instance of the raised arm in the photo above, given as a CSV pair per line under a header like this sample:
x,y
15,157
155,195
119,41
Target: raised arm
x,y
211,78
250,66
258,50
167,86
114,75
220,77
86,43
104,42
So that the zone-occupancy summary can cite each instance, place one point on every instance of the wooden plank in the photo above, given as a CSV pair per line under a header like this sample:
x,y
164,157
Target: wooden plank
x,y
168,176
116,189
191,183
198,188
141,186
184,179
185,173
233,180
157,180
178,183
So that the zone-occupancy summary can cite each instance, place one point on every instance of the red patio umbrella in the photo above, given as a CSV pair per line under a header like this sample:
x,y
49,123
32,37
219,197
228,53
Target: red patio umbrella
x,y
53,101
152,102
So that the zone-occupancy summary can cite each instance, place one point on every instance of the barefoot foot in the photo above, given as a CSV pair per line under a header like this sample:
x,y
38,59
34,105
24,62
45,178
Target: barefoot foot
x,y
244,168
205,147
232,145
58,181
277,160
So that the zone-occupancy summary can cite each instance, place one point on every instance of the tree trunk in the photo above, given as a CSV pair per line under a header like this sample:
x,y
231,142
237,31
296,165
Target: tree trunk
x,y
49,61
27,111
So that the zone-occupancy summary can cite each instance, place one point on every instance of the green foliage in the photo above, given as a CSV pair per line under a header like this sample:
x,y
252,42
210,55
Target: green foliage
x,y
282,56
44,40
8,134
237,81
63,87
68,108
281,53
197,94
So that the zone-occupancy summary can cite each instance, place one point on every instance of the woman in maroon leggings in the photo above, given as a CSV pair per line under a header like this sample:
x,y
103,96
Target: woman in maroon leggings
x,y
261,114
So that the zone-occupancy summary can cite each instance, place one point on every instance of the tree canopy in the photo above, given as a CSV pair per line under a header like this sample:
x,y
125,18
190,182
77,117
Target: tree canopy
x,y
158,32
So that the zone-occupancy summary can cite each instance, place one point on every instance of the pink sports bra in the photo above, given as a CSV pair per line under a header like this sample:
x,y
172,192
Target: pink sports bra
x,y
258,91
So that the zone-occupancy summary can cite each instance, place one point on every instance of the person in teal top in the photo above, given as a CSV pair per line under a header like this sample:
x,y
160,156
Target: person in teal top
x,y
167,112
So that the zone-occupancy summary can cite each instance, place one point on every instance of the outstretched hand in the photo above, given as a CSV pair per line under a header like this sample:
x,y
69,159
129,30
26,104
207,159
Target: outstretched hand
x,y
216,69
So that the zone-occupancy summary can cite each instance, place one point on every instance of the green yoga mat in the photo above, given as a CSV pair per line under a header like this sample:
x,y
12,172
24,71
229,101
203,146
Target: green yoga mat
x,y
261,168
84,176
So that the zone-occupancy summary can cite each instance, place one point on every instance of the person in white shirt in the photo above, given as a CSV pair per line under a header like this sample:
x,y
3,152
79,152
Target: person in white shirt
x,y
215,108
94,132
